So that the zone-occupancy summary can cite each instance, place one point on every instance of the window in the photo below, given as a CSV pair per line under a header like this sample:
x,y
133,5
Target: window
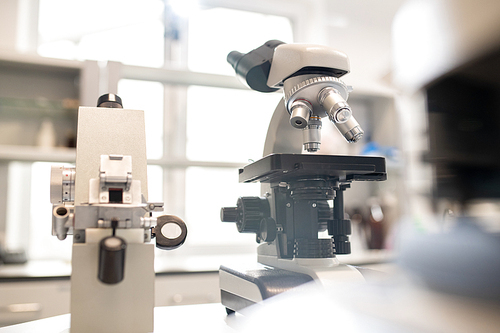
x,y
227,125
131,32
147,96
215,32
197,136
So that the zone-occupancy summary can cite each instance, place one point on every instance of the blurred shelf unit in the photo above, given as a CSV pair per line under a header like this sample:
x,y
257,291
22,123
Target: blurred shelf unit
x,y
37,154
68,155
39,99
29,76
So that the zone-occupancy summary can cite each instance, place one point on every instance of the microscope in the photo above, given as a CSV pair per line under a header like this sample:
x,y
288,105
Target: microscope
x,y
103,203
297,189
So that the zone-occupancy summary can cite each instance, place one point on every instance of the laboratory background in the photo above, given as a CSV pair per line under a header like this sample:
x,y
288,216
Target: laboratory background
x,y
423,84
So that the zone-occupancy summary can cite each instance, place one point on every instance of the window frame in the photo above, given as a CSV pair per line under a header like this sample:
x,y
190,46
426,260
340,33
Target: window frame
x,y
98,78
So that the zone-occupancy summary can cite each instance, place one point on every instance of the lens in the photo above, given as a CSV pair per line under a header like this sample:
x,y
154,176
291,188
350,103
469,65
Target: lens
x,y
300,111
340,114
312,135
351,130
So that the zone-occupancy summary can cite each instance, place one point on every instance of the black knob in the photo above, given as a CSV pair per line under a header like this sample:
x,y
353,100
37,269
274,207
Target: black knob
x,y
341,244
248,213
339,227
313,248
166,240
229,214
110,101
339,230
267,231
111,260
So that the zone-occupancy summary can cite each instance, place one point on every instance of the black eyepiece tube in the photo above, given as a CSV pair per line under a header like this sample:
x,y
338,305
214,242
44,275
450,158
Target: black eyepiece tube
x,y
253,67
233,57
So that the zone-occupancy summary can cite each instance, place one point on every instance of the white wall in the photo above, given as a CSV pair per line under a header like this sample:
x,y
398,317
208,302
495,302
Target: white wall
x,y
8,22
19,25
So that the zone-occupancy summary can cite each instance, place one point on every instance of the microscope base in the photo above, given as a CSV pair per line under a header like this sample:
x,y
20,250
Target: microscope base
x,y
242,288
124,307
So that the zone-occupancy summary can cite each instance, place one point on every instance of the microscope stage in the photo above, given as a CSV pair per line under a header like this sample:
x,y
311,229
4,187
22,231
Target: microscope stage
x,y
284,167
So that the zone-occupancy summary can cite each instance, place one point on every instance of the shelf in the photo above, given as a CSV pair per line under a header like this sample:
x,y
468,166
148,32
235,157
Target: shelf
x,y
38,107
184,163
68,155
180,77
34,61
37,154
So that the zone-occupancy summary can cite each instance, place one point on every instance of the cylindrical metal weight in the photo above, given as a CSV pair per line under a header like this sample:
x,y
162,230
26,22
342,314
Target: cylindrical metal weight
x,y
112,260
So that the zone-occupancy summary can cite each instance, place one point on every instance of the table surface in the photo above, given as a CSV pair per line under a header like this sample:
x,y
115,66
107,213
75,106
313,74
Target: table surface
x,y
40,269
184,318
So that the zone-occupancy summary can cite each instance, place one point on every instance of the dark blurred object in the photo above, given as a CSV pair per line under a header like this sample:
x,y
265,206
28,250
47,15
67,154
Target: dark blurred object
x,y
455,83
12,256
464,261
71,140
376,227
464,124
371,225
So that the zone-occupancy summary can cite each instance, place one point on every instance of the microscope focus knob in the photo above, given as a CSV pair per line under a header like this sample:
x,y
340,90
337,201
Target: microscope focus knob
x,y
267,231
247,214
229,214
342,244
339,229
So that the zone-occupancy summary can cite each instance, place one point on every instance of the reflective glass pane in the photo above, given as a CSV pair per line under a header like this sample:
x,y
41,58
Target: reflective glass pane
x,y
131,32
227,125
207,191
155,183
132,93
215,32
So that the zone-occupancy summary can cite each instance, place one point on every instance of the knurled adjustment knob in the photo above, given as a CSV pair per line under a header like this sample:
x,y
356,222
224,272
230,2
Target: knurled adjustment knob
x,y
339,227
247,214
313,248
341,244
110,101
267,230
324,215
229,214
339,230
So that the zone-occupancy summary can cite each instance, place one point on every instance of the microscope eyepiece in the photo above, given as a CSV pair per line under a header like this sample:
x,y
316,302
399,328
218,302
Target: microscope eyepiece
x,y
233,57
253,67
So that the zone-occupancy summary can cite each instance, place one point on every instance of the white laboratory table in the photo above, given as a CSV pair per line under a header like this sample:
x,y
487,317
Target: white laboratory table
x,y
183,318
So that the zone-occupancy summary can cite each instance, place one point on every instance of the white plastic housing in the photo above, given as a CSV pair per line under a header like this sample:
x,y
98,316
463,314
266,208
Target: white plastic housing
x,y
290,58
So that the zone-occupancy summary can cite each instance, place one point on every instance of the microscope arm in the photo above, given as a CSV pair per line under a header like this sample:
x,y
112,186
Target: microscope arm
x,y
309,76
281,137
